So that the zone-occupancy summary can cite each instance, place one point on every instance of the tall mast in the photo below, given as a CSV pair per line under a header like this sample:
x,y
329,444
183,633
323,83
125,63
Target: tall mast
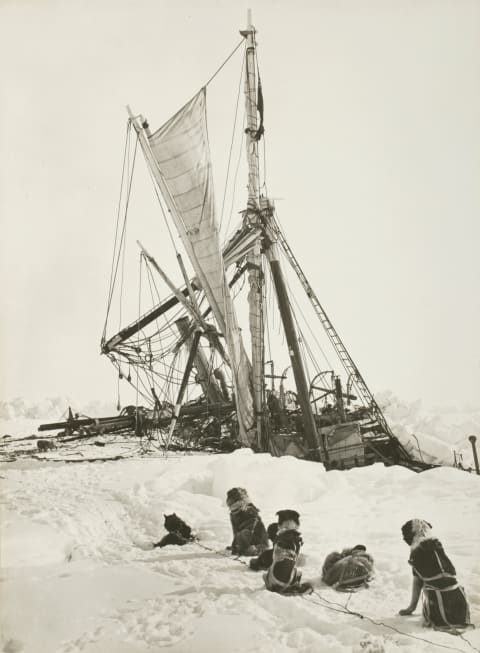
x,y
254,259
259,213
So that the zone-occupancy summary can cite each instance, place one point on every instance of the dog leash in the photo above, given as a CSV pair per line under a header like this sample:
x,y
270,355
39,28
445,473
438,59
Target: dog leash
x,y
344,609
195,540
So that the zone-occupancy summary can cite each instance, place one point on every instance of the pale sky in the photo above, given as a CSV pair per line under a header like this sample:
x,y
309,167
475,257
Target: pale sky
x,y
372,117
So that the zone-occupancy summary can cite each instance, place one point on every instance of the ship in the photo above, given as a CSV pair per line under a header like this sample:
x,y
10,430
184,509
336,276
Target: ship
x,y
201,364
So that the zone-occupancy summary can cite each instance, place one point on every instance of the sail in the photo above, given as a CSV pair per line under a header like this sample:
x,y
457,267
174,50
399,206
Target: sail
x,y
182,156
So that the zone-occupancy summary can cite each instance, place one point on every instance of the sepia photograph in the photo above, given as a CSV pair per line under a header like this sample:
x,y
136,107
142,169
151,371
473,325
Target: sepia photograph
x,y
240,318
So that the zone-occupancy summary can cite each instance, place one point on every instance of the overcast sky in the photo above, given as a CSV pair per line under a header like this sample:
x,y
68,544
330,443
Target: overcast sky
x,y
373,143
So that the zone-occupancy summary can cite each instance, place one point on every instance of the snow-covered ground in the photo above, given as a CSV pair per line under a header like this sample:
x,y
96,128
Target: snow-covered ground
x,y
79,573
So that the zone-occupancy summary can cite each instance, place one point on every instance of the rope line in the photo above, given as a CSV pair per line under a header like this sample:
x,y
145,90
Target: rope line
x,y
231,145
111,283
223,64
344,609
235,180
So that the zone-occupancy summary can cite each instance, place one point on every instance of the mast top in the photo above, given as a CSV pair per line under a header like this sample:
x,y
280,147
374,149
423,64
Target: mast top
x,y
250,29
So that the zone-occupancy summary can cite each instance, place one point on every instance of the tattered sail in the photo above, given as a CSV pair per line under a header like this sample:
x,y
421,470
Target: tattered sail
x,y
182,155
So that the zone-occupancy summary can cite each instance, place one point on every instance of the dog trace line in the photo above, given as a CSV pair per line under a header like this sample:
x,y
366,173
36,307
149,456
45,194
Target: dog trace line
x,y
344,609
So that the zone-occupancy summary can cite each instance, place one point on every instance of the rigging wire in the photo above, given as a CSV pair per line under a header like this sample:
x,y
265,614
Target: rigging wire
x,y
138,333
122,274
235,178
168,323
292,294
121,247
303,345
223,64
231,143
295,300
347,363
111,283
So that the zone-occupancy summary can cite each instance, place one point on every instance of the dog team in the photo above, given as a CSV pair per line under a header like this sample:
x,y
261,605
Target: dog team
x,y
445,606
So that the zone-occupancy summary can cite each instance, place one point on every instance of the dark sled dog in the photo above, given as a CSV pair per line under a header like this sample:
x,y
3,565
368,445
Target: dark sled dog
x,y
265,559
249,534
179,532
445,605
283,576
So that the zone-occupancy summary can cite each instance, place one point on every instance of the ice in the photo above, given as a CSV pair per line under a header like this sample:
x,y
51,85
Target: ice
x,y
79,573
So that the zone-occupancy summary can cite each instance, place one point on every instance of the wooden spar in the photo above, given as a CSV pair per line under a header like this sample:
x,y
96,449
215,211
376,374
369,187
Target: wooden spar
x,y
211,334
191,294
138,325
206,377
254,258
156,312
179,295
183,385
295,356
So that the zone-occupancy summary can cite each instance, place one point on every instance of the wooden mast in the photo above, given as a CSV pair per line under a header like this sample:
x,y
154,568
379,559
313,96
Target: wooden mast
x,y
259,213
254,258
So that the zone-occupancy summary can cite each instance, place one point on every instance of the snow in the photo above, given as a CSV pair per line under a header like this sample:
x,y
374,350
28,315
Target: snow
x,y
438,433
79,573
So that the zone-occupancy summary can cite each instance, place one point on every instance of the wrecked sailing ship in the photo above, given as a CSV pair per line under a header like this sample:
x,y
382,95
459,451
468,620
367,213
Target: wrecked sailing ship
x,y
186,356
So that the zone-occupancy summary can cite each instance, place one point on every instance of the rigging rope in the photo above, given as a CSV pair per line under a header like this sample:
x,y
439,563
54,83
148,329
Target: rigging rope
x,y
111,283
122,239
315,364
235,179
296,302
231,144
223,64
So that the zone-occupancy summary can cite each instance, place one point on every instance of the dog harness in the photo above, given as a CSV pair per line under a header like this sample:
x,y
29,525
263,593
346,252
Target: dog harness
x,y
437,595
281,555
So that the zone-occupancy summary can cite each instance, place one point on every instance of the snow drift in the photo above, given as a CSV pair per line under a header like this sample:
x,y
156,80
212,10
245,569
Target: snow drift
x,y
79,572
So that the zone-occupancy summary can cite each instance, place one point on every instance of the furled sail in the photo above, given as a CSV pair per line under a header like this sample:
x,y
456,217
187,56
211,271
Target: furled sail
x,y
182,155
